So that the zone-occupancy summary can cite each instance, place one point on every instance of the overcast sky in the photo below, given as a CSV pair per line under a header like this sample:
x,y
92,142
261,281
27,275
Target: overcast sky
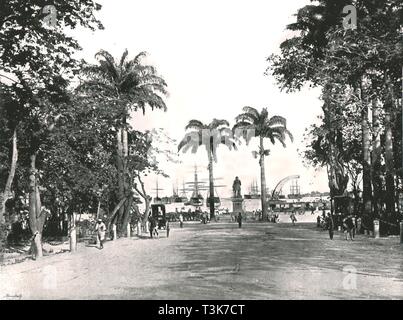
x,y
213,57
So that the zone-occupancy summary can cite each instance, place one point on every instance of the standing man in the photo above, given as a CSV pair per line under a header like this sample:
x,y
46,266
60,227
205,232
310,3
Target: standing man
x,y
181,220
167,228
330,225
239,220
153,225
348,227
100,228
293,218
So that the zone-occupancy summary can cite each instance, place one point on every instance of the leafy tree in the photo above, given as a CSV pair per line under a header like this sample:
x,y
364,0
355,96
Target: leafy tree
x,y
273,128
36,65
210,136
363,61
128,85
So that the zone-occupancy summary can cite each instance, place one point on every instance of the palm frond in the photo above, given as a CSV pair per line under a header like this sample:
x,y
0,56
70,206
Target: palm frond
x,y
244,129
264,114
195,124
108,62
276,121
245,117
123,58
138,57
254,114
216,123
284,132
276,136
190,140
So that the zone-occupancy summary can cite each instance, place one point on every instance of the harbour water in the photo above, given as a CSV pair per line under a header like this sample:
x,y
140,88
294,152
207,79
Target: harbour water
x,y
249,206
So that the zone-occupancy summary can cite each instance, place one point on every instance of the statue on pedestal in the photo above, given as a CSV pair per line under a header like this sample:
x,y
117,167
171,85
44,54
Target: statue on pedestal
x,y
236,188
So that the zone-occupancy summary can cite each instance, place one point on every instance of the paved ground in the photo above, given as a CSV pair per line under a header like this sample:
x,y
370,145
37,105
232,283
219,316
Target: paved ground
x,y
217,261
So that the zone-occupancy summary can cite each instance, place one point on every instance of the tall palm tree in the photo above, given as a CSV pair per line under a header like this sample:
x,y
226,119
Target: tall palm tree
x,y
210,136
129,85
274,128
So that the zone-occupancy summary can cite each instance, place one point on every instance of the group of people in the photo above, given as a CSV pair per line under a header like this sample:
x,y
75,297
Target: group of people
x,y
100,229
349,225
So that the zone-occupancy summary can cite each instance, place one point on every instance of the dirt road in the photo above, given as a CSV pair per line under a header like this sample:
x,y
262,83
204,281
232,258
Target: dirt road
x,y
217,261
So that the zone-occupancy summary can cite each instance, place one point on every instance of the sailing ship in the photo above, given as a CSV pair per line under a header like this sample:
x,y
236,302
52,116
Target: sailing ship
x,y
253,191
182,198
157,199
217,200
196,199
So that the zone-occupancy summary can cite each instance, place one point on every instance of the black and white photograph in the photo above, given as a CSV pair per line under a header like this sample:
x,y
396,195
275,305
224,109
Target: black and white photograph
x,y
189,150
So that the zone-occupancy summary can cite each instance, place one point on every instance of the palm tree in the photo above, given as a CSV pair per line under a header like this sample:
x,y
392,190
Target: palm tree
x,y
210,136
129,85
274,128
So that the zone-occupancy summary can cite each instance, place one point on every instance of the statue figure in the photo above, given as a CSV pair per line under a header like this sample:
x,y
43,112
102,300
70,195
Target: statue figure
x,y
236,188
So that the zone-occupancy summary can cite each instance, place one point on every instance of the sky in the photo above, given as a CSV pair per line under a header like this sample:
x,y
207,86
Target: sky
x,y
213,56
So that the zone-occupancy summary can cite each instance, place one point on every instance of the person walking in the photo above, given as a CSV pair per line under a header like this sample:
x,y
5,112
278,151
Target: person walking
x,y
348,227
153,227
181,220
100,229
167,228
293,218
204,217
239,220
330,225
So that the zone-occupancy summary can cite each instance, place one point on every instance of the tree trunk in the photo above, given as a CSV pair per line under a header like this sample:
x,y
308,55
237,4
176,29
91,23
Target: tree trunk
x,y
120,166
366,161
263,181
35,216
146,211
147,201
211,185
73,233
98,208
389,163
126,217
376,158
112,218
6,194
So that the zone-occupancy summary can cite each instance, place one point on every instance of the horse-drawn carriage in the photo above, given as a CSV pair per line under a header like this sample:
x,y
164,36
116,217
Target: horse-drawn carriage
x,y
159,214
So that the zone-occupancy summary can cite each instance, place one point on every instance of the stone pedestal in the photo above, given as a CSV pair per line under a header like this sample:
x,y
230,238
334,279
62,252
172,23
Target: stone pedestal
x,y
139,228
376,228
128,230
115,237
237,204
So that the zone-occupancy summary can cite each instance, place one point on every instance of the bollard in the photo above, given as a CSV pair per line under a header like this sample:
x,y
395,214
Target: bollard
x,y
73,234
401,232
139,228
128,230
376,228
114,232
73,239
